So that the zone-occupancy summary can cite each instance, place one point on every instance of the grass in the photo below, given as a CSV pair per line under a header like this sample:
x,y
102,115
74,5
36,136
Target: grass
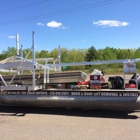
x,y
107,71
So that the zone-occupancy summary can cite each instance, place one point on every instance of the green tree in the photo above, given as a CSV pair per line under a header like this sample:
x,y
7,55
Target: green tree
x,y
54,53
91,54
2,56
109,53
64,55
11,51
25,52
37,54
44,54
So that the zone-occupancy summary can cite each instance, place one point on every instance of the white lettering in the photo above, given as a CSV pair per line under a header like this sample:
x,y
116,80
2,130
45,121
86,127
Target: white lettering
x,y
75,93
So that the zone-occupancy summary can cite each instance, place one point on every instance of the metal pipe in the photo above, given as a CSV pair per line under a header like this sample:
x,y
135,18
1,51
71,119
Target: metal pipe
x,y
3,80
17,44
59,57
59,54
21,51
48,75
33,58
94,62
46,67
44,75
54,67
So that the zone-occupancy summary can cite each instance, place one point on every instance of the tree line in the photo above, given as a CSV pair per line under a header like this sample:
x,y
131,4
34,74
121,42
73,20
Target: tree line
x,y
81,55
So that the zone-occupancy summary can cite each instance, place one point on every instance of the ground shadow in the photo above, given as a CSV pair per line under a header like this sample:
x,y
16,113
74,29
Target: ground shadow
x,y
22,111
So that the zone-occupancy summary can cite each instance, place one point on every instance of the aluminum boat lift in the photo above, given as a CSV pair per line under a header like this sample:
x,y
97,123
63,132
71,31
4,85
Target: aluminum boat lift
x,y
22,64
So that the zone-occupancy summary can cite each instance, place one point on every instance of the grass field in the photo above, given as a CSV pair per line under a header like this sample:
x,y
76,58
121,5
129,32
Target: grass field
x,y
108,71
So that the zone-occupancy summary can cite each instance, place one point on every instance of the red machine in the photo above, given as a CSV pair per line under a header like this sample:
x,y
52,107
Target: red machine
x,y
85,82
96,78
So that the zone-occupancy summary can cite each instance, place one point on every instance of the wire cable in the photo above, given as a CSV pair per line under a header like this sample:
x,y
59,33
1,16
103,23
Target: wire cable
x,y
98,4
23,6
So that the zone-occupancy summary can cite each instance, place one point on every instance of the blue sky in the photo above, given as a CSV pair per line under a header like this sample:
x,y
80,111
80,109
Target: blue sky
x,y
72,24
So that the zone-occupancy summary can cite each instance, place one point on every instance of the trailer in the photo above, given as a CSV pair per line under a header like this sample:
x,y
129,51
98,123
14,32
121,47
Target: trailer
x,y
69,90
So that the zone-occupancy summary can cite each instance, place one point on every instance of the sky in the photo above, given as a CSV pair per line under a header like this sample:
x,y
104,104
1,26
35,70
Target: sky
x,y
73,24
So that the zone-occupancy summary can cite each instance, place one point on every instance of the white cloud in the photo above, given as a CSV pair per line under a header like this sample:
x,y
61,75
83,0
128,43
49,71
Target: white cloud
x,y
110,23
11,37
54,24
40,24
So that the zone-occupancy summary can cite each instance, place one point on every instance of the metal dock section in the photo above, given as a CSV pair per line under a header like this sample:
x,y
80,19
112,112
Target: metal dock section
x,y
61,77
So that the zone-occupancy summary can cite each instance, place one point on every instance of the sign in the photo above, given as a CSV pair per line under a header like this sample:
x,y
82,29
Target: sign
x,y
77,93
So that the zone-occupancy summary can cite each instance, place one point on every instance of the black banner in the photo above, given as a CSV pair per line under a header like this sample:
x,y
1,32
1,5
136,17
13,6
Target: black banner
x,y
77,93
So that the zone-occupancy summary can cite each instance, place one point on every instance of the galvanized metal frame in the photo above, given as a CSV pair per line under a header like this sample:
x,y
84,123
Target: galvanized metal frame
x,y
34,66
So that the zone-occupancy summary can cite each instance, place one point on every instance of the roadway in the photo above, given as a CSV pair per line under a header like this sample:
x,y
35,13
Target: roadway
x,y
33,123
